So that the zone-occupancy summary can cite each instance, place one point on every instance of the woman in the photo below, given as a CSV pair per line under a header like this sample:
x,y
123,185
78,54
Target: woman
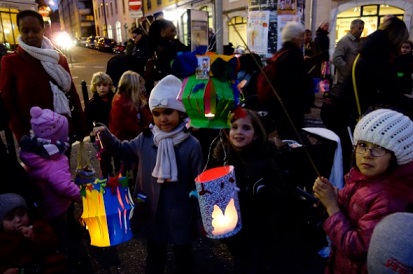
x,y
37,74
287,74
162,40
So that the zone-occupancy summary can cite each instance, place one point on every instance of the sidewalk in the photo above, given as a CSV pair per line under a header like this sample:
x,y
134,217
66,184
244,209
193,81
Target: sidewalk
x,y
211,256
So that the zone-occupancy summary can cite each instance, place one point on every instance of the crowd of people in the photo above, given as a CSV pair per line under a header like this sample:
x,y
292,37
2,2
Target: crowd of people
x,y
142,126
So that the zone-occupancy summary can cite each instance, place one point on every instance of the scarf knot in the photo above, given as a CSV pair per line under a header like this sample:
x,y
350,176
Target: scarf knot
x,y
165,168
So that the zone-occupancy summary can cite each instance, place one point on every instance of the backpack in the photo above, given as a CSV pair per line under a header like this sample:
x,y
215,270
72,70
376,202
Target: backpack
x,y
265,93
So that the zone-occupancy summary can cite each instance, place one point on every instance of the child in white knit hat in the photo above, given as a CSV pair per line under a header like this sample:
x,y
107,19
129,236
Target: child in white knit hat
x,y
169,160
380,183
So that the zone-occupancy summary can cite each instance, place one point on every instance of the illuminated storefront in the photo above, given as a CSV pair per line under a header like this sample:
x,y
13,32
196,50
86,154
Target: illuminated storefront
x,y
8,13
372,15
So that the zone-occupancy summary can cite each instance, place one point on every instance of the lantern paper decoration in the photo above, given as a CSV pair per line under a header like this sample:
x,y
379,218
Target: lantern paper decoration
x,y
218,202
210,97
107,210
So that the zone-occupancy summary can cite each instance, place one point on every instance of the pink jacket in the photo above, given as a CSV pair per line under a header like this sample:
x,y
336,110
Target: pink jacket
x,y
363,204
53,179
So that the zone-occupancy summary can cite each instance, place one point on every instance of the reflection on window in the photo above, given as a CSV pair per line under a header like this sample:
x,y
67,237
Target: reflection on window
x,y
372,15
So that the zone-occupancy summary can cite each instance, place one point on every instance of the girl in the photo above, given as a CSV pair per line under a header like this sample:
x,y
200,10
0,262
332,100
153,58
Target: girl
x,y
43,153
379,184
170,159
262,192
97,111
130,113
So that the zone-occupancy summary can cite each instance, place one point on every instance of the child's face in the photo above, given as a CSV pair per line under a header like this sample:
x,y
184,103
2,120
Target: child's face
x,y
102,89
15,219
368,164
241,133
166,119
406,48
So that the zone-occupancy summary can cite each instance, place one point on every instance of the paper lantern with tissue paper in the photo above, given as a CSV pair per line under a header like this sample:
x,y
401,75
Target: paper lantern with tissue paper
x,y
218,202
210,97
107,210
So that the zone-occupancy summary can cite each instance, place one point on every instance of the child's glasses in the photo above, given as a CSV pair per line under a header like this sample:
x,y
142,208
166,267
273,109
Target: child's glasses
x,y
375,151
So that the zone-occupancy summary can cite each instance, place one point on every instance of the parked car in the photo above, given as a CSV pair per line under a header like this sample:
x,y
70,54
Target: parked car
x,y
119,48
81,41
90,42
96,41
105,44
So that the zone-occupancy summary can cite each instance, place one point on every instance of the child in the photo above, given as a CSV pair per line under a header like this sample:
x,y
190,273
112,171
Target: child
x,y
26,247
404,68
130,113
391,245
43,153
379,184
97,111
170,159
262,192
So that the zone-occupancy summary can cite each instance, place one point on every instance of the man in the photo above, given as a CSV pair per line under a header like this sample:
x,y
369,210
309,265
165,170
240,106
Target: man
x,y
311,56
346,51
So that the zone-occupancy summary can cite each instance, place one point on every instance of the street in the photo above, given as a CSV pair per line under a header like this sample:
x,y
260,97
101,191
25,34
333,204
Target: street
x,y
211,256
84,62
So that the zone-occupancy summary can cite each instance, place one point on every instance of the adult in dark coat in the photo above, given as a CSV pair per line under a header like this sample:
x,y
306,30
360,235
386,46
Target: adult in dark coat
x,y
291,82
376,82
118,64
162,40
322,42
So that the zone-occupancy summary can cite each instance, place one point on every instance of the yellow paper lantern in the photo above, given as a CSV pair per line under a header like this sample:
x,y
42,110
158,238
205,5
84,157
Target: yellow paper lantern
x,y
107,210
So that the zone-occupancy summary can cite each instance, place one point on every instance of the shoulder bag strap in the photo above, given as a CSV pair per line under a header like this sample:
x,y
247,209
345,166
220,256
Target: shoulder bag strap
x,y
353,76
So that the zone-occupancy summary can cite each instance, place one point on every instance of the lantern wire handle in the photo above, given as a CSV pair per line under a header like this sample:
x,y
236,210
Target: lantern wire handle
x,y
247,50
219,137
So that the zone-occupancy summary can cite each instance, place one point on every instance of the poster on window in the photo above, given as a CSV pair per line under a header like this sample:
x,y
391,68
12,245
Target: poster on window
x,y
286,7
282,21
257,31
198,29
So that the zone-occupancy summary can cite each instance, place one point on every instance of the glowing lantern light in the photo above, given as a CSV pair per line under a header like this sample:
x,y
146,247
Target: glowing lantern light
x,y
209,100
218,202
107,210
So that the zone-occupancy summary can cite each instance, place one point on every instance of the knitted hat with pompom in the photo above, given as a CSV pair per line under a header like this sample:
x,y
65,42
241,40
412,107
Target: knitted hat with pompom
x,y
48,124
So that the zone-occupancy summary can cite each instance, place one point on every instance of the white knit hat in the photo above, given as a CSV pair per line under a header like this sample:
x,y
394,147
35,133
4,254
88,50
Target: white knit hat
x,y
389,129
165,93
391,246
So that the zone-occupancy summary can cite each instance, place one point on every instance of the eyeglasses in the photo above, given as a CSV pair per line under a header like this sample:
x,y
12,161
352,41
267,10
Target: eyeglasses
x,y
375,151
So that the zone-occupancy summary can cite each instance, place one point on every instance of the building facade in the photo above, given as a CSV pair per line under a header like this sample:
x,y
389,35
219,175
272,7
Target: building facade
x,y
76,17
8,25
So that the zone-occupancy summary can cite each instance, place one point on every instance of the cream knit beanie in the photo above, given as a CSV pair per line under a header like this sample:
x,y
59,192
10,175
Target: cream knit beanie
x,y
389,129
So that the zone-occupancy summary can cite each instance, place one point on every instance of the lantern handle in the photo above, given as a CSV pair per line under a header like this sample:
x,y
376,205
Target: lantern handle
x,y
210,149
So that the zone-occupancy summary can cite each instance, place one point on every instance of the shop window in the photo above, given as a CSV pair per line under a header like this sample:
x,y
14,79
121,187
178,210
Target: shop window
x,y
372,15
210,18
237,27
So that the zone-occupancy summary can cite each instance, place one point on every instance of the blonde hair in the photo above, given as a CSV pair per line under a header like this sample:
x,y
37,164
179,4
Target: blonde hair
x,y
132,85
101,77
